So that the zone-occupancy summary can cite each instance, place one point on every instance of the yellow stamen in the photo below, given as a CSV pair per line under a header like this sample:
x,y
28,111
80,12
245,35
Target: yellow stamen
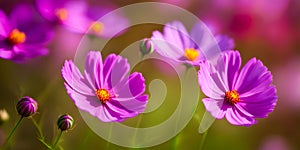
x,y
61,14
103,95
191,54
16,37
97,26
232,97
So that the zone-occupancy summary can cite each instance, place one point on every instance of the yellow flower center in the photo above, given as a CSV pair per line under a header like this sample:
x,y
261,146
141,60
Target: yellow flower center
x,y
232,97
61,14
191,54
97,26
16,37
103,95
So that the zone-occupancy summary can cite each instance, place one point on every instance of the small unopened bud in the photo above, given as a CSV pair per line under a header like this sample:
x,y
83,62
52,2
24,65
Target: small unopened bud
x,y
3,116
146,46
27,106
65,122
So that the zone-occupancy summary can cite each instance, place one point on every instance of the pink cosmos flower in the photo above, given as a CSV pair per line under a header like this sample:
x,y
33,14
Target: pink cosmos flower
x,y
180,46
79,17
23,35
105,90
239,95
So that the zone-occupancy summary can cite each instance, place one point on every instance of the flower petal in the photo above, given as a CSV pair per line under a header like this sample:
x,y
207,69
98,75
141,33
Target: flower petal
x,y
236,117
87,103
224,42
228,66
24,52
5,50
165,48
176,33
75,80
254,77
116,71
215,107
4,24
108,64
137,104
210,81
113,24
93,69
26,17
133,87
259,104
106,115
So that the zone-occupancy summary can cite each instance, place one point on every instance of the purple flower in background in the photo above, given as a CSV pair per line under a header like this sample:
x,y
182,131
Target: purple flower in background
x,y
78,16
239,95
275,142
178,45
105,90
23,35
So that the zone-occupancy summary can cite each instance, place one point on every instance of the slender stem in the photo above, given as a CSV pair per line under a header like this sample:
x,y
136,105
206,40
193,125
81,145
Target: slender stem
x,y
13,131
44,142
203,138
57,139
38,128
41,135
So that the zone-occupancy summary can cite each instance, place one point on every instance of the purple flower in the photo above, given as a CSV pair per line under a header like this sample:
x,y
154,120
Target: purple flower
x,y
105,90
78,17
26,106
239,95
178,45
23,35
65,122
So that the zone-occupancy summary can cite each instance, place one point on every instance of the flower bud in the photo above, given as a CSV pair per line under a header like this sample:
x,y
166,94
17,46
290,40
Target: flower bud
x,y
27,106
3,116
65,122
146,46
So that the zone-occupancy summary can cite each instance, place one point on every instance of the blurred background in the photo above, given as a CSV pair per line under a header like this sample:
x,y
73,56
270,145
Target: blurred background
x,y
266,29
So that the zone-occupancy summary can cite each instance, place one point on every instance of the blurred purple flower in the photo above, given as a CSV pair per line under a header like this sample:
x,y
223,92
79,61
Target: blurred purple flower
x,y
23,35
274,143
239,95
253,21
287,79
106,91
180,46
79,17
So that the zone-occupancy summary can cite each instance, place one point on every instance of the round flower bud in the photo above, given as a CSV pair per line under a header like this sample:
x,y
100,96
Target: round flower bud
x,y
3,116
146,46
65,122
27,106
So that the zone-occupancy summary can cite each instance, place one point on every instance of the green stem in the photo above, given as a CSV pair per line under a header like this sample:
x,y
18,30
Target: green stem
x,y
203,138
44,142
41,135
13,131
57,139
38,128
